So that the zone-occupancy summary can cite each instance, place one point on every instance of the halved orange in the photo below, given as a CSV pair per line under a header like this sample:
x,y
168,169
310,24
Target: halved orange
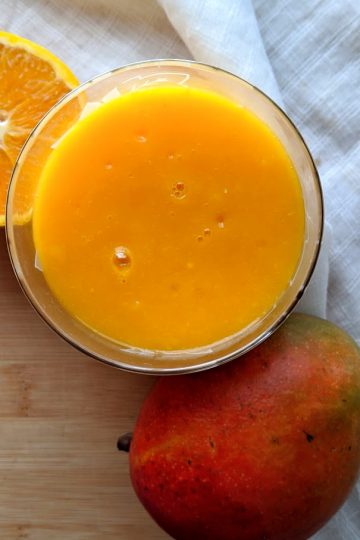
x,y
32,80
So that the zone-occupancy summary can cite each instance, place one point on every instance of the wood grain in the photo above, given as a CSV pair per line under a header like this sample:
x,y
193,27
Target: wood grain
x,y
61,413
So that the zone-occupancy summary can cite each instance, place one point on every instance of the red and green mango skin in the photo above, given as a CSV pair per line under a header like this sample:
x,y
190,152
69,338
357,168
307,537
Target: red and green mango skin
x,y
266,447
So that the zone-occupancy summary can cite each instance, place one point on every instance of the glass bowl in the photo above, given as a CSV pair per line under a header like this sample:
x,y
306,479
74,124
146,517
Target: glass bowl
x,y
39,146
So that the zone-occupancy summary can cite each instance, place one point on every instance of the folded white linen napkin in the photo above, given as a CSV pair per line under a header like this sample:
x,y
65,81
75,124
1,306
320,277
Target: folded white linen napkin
x,y
305,55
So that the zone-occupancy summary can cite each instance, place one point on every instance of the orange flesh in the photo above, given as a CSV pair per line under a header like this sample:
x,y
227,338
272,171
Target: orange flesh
x,y
169,218
29,87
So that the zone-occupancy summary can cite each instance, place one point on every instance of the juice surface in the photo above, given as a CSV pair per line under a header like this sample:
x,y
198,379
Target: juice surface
x,y
168,218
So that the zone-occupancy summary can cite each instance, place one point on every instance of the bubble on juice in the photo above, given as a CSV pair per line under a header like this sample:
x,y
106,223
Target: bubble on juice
x,y
226,191
178,190
200,238
207,231
170,156
108,166
141,138
122,258
86,238
220,222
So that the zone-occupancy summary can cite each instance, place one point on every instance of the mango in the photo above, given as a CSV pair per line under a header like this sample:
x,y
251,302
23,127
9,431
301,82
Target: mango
x,y
266,447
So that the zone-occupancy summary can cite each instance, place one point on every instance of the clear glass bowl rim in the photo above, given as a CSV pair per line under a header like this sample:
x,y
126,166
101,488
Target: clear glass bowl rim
x,y
222,359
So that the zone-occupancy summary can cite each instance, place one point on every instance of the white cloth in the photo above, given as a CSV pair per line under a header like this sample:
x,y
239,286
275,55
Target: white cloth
x,y
304,54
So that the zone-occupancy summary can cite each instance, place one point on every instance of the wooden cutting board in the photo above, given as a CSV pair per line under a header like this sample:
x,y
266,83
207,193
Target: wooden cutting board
x,y
61,413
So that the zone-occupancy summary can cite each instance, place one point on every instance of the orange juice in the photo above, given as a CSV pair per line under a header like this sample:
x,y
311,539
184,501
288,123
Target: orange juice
x,y
169,218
